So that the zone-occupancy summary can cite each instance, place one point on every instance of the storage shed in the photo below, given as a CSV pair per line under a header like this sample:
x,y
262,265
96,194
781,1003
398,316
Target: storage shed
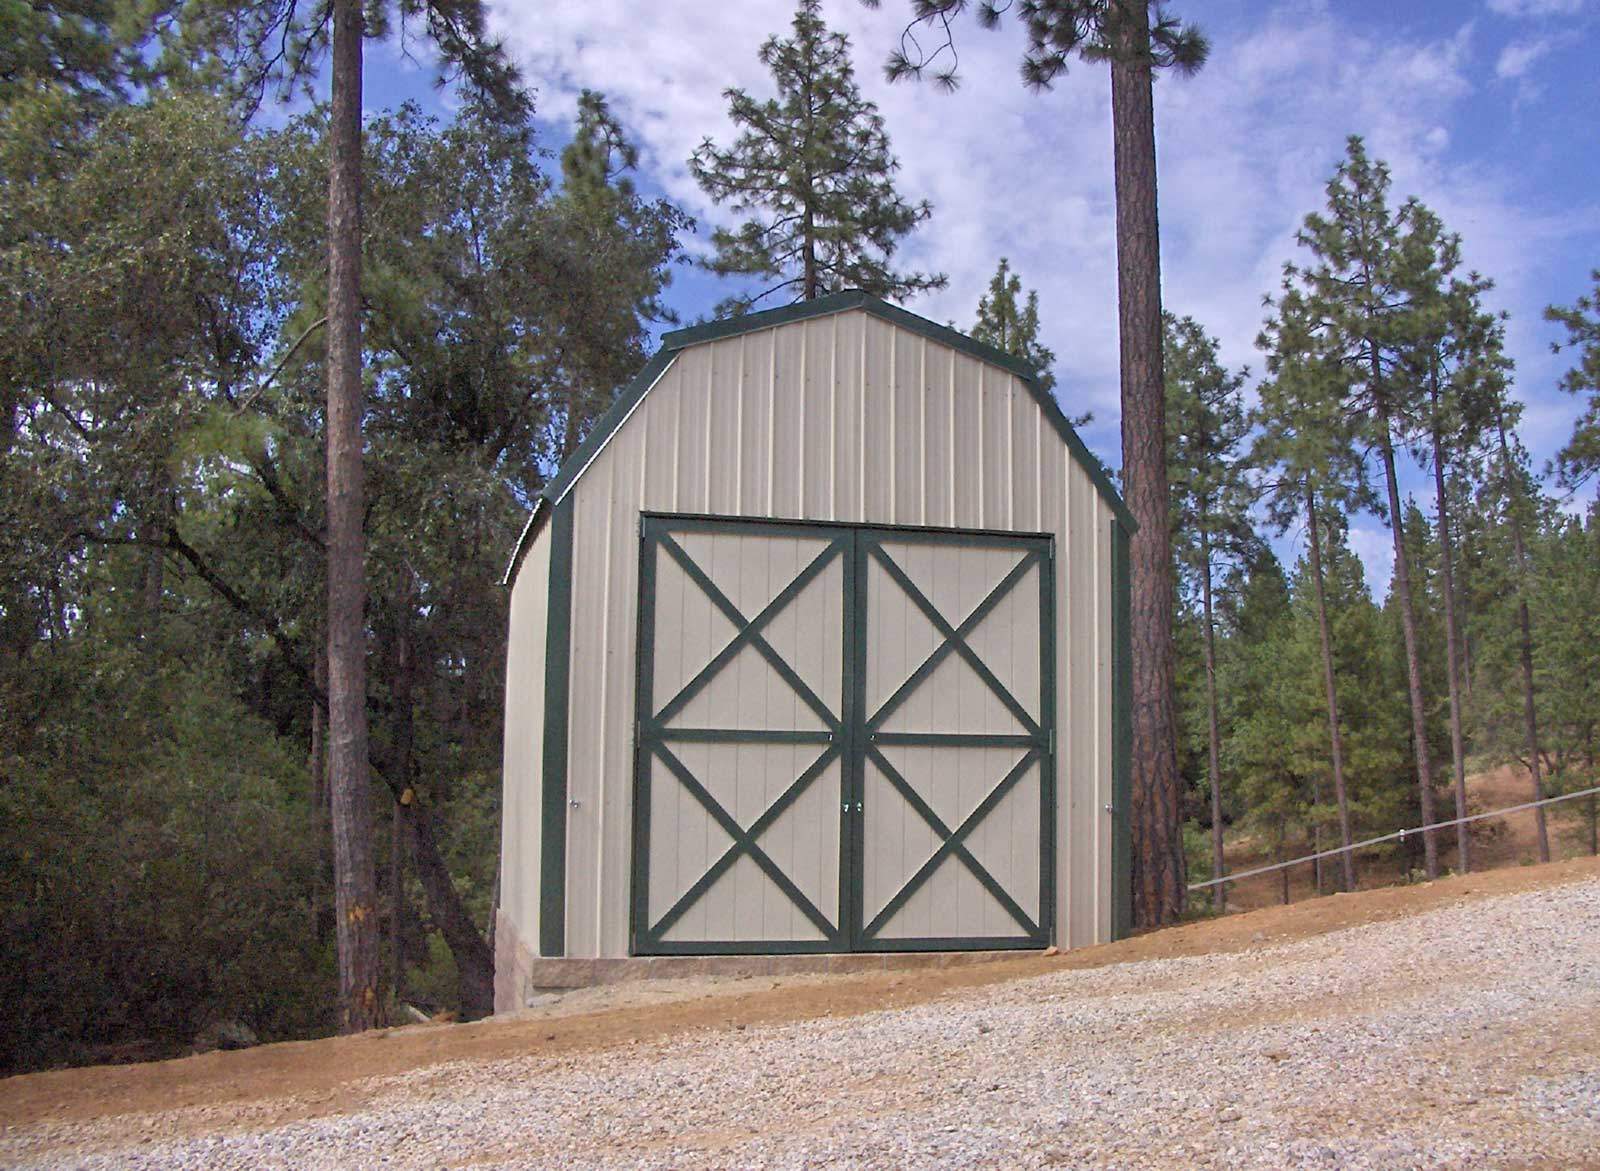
x,y
817,645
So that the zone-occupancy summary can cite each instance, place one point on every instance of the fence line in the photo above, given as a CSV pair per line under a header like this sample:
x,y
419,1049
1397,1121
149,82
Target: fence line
x,y
1398,835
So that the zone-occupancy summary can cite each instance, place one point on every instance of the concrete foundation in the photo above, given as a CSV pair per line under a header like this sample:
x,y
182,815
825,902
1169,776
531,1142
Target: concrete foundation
x,y
519,975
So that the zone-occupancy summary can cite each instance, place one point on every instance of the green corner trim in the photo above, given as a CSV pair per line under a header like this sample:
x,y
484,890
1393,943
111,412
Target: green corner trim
x,y
671,343
553,791
1121,738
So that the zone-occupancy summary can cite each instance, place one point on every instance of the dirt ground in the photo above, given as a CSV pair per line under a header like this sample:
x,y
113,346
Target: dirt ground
x,y
304,1079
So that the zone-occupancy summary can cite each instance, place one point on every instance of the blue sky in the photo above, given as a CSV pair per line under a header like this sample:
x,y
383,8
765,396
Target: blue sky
x,y
1485,109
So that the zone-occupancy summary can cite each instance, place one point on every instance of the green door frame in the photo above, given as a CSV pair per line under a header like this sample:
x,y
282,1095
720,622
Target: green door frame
x,y
850,734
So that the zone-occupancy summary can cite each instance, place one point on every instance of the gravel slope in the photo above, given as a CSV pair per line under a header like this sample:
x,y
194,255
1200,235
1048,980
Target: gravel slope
x,y
1468,1036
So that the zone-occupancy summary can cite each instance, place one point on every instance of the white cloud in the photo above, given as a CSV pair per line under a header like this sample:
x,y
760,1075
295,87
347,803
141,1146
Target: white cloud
x,y
1519,56
1536,7
1245,150
1374,545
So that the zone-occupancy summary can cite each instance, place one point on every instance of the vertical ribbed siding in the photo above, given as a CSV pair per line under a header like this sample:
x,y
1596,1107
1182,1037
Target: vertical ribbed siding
x,y
847,418
520,821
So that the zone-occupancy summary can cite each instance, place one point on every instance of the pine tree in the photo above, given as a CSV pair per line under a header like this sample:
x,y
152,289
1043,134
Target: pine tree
x,y
1569,661
249,49
1455,355
1211,500
1372,707
813,172
1510,494
1258,709
1314,473
1580,458
1358,292
1137,38
1011,325
611,231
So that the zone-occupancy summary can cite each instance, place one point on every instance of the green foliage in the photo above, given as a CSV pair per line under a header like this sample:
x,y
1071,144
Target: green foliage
x,y
1057,31
161,552
1580,458
1207,458
253,51
156,871
1012,326
88,49
812,171
1274,713
1567,662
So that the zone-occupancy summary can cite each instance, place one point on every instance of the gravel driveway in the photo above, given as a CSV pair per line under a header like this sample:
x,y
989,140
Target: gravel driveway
x,y
1464,1037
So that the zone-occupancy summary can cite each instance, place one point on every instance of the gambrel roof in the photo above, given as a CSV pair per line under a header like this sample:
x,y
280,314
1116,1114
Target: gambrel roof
x,y
672,344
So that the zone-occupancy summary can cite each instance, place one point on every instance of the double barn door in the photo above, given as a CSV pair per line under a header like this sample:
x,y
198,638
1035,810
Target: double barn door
x,y
844,739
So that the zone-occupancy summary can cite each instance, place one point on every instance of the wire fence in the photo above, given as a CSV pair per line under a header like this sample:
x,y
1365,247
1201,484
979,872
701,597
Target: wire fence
x,y
1397,836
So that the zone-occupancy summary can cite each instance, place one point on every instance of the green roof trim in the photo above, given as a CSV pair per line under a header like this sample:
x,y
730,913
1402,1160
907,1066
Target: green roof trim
x,y
671,343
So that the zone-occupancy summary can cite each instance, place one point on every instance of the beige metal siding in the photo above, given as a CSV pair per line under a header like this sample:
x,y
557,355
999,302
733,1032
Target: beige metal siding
x,y
900,430
745,693
524,742
954,781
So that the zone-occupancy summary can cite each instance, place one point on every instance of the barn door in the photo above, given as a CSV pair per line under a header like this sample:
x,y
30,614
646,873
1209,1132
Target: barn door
x,y
739,783
843,739
954,792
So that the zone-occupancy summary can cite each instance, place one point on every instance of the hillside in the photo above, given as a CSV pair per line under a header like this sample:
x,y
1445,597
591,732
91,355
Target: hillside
x,y
1497,842
1453,1022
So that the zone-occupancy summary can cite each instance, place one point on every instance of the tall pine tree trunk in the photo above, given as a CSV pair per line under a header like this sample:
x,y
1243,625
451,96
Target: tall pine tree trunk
x,y
1408,627
1219,867
1458,751
1530,715
317,765
355,879
1158,864
401,689
1332,691
1341,794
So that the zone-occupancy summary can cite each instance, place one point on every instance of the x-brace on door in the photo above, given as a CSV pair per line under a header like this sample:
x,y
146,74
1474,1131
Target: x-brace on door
x,y
844,739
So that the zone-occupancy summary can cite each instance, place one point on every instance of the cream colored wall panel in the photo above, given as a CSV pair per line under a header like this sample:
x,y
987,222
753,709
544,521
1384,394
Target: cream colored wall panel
x,y
878,410
904,438
613,751
1084,728
844,432
1006,841
744,779
994,420
967,483
1026,483
788,414
1052,464
938,421
1007,641
754,454
818,410
521,809
724,394
691,430
847,453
